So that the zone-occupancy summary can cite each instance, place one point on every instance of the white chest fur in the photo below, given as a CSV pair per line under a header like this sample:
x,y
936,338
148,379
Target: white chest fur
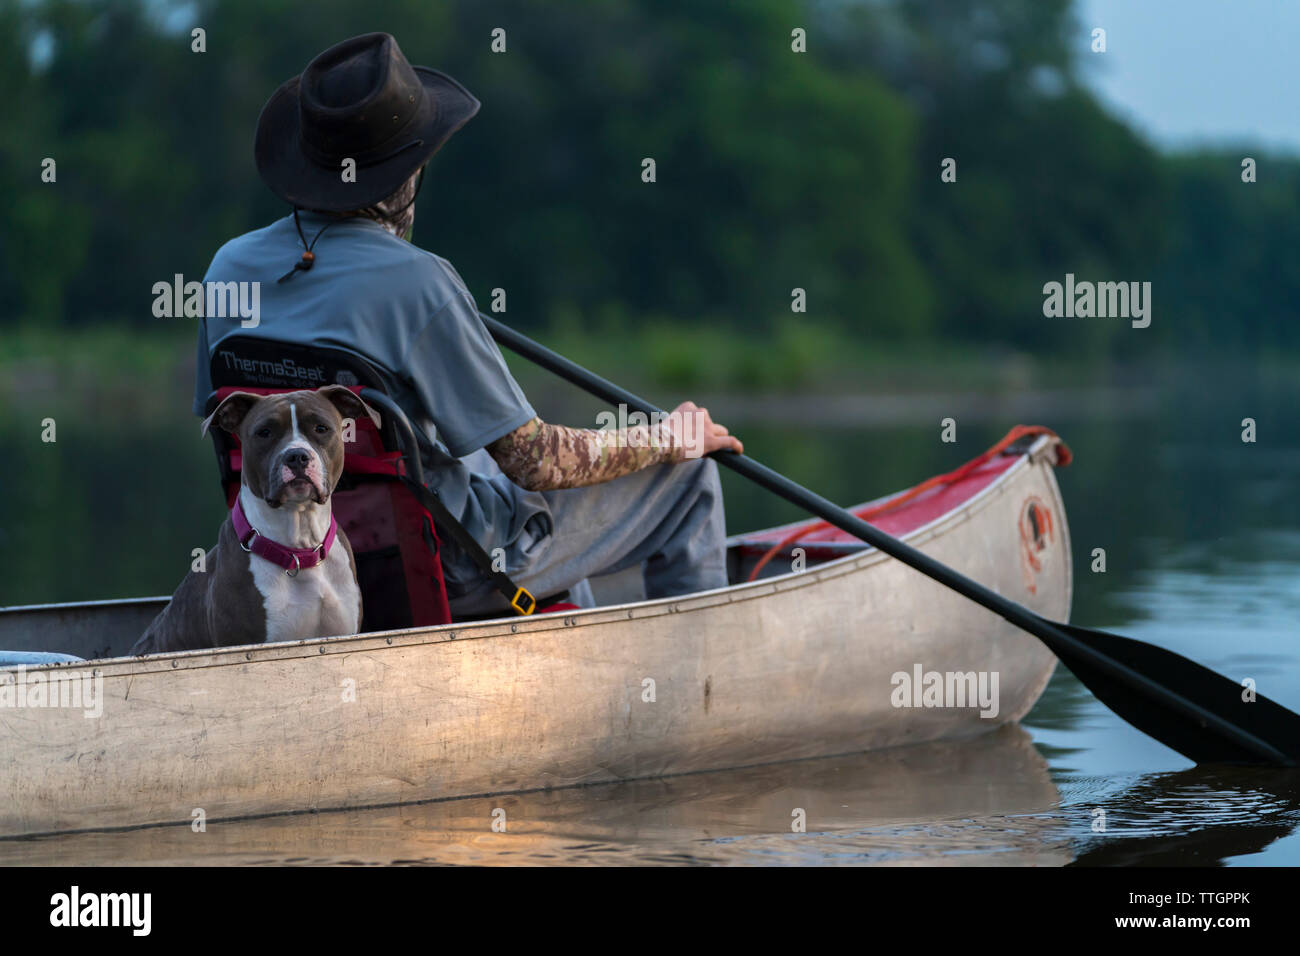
x,y
323,601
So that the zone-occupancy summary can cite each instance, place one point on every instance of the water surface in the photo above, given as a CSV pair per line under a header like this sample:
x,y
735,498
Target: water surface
x,y
1202,540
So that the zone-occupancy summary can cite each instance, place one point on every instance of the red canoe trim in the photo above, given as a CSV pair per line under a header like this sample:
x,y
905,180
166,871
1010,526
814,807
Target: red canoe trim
x,y
917,513
918,506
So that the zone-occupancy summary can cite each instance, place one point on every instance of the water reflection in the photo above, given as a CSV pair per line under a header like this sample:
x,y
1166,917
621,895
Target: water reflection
x,y
981,801
1236,616
1203,816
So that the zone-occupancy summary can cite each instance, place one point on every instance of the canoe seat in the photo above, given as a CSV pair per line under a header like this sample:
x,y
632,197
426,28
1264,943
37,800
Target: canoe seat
x,y
381,501
393,536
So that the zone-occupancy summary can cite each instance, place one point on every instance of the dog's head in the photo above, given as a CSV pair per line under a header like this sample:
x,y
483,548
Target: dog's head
x,y
291,443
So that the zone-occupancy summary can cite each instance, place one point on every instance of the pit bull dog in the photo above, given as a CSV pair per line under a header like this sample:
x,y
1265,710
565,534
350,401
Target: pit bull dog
x,y
282,569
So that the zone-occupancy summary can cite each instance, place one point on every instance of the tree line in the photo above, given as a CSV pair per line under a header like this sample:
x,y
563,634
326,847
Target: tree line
x,y
775,169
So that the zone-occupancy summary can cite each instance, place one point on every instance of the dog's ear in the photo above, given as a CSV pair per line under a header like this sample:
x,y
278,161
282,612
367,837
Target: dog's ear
x,y
233,409
348,403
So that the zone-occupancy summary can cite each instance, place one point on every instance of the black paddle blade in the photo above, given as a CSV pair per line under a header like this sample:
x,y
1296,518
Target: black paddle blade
x,y
1193,736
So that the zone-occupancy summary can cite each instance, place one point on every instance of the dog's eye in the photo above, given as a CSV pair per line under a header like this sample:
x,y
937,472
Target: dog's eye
x,y
263,433
322,429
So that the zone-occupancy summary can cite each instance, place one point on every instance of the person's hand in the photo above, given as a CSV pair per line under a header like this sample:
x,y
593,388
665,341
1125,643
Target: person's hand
x,y
698,434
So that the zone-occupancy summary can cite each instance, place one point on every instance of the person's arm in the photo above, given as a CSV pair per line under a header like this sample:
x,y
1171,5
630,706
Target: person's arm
x,y
462,381
543,457
460,378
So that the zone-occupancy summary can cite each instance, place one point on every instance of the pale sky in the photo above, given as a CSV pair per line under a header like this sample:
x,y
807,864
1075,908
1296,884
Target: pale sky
x,y
1198,71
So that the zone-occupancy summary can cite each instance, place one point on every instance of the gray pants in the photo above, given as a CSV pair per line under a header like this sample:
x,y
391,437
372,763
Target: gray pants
x,y
668,519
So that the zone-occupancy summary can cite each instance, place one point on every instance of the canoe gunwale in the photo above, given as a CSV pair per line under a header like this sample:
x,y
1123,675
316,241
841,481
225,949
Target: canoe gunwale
x,y
78,605
504,627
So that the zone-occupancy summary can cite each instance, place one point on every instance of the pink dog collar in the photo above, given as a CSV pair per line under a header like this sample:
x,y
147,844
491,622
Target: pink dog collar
x,y
292,560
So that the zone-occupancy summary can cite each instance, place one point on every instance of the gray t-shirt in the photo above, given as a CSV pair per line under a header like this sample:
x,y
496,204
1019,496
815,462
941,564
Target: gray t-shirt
x,y
407,312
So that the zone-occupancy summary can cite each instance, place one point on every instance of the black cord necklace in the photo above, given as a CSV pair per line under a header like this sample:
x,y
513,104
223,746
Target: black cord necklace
x,y
309,258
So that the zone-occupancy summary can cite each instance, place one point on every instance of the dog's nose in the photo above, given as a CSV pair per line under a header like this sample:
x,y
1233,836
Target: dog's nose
x,y
297,458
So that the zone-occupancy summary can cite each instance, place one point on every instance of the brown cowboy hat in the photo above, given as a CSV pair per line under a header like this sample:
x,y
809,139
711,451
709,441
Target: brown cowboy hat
x,y
359,100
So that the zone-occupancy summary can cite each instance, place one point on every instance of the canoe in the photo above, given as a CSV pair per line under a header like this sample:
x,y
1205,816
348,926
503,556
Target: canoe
x,y
835,648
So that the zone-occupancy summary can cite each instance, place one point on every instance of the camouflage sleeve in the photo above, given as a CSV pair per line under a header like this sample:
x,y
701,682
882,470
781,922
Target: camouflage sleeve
x,y
542,457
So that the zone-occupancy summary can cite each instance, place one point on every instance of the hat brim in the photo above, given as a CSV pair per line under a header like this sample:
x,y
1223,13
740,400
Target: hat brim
x,y
298,179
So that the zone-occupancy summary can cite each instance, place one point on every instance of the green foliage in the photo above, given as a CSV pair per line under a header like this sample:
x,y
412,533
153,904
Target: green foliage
x,y
775,170
1243,293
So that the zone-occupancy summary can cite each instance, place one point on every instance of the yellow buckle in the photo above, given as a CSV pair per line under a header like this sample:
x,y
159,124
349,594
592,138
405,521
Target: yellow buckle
x,y
525,606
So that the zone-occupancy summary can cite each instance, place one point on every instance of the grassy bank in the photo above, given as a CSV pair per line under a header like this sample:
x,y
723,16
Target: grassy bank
x,y
138,373
126,367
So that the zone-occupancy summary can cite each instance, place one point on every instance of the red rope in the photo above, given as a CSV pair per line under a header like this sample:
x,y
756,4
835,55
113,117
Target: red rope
x,y
1063,457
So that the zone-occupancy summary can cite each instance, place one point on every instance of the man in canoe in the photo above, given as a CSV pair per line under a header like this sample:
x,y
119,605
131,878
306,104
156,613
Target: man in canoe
x,y
345,144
